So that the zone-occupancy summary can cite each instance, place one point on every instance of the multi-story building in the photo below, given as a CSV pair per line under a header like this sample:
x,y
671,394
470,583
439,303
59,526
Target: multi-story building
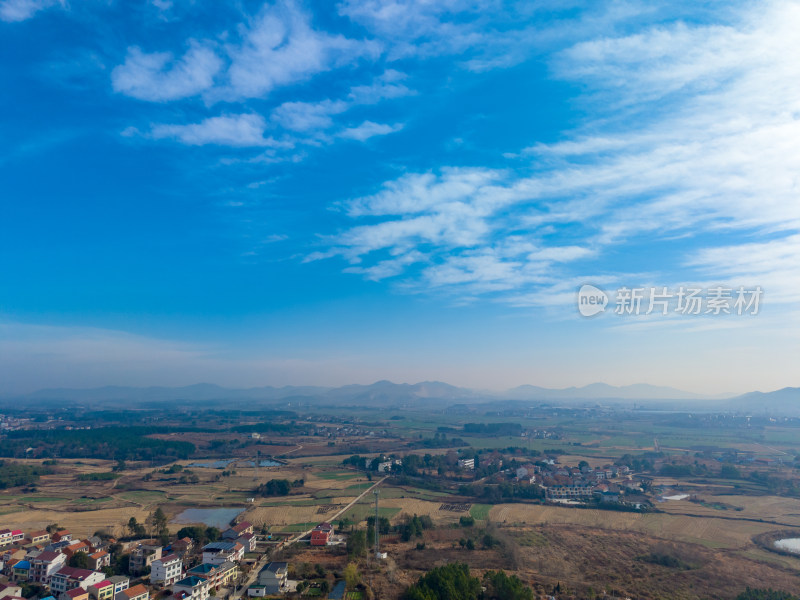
x,y
321,534
68,578
45,564
102,590
166,570
121,583
217,553
143,557
191,588
39,537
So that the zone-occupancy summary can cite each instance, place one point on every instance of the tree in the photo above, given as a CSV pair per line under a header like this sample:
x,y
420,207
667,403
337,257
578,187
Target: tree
x,y
470,544
500,586
325,587
357,544
351,575
132,525
275,487
79,560
159,520
449,582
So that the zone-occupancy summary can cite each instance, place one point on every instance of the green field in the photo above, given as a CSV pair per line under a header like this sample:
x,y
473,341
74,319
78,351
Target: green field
x,y
480,512
360,512
338,475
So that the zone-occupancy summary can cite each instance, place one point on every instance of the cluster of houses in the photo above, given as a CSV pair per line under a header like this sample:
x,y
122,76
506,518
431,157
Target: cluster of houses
x,y
42,558
565,484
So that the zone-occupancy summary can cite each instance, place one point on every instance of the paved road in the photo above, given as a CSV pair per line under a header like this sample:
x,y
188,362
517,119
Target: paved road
x,y
235,595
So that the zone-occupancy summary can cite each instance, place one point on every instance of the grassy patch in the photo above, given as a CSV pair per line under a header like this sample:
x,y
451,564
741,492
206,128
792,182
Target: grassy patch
x,y
480,512
530,539
45,499
337,475
294,527
360,512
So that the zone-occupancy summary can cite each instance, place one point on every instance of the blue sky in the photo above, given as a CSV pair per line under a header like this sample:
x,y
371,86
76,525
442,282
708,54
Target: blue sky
x,y
290,192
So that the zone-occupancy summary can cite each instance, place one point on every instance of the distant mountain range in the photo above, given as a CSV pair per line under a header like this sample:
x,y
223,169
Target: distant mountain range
x,y
386,393
785,401
597,391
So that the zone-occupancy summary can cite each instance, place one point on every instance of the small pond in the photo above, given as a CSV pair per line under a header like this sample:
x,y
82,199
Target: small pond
x,y
788,545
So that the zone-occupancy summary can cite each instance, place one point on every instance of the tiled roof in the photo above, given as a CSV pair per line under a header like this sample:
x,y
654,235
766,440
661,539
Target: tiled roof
x,y
136,590
191,581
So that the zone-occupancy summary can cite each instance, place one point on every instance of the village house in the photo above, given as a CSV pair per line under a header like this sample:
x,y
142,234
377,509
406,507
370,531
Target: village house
x,y
569,492
62,535
68,578
217,553
102,590
321,535
39,537
137,592
98,560
45,564
20,570
216,575
121,583
5,537
182,546
466,463
235,532
75,547
248,540
166,570
191,588
74,594
143,557
273,578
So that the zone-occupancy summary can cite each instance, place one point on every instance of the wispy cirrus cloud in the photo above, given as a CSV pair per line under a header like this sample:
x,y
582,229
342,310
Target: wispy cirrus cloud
x,y
246,130
159,77
368,129
713,152
22,10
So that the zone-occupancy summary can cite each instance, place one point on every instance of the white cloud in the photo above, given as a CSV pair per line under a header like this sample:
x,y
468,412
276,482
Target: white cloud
x,y
307,116
384,87
159,77
21,10
227,130
695,134
281,47
368,129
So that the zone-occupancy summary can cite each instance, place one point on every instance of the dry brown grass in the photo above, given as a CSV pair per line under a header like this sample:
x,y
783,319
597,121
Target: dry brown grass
x,y
715,532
